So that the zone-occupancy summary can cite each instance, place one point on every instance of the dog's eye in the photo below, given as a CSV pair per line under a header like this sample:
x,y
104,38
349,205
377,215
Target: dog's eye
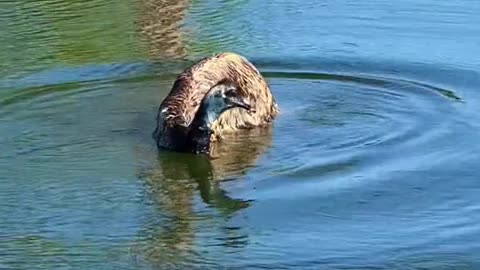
x,y
230,93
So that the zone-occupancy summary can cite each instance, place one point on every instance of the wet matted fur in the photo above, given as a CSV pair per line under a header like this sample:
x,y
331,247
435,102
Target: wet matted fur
x,y
178,109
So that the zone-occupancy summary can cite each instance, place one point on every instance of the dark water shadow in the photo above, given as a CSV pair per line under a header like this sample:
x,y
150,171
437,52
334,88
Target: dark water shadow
x,y
384,73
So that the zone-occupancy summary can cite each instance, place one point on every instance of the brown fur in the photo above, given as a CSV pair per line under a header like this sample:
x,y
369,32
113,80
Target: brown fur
x,y
178,109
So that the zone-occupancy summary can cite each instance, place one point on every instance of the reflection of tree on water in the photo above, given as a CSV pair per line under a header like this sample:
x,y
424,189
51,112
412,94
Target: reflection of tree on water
x,y
159,25
172,186
162,25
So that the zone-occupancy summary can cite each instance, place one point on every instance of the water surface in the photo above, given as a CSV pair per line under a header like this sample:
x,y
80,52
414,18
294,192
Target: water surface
x,y
371,163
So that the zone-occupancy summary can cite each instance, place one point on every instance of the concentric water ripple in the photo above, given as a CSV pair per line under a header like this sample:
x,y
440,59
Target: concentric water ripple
x,y
326,118
333,123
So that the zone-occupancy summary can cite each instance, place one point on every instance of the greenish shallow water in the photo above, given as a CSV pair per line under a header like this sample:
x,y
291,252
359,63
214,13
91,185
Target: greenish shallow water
x,y
372,163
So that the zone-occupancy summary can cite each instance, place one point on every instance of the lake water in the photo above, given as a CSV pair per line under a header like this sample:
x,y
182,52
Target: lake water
x,y
371,164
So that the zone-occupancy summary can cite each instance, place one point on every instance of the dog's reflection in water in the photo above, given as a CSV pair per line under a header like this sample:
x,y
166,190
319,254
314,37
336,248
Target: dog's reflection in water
x,y
173,185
